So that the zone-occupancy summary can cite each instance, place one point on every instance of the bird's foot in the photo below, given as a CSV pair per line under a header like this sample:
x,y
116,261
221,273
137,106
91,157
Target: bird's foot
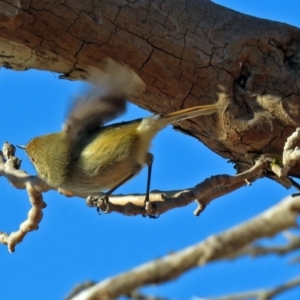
x,y
150,210
101,202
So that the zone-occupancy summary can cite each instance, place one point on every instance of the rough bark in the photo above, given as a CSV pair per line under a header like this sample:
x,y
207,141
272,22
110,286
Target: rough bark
x,y
189,52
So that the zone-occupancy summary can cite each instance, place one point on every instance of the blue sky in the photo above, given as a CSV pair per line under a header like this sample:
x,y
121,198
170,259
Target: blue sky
x,y
75,244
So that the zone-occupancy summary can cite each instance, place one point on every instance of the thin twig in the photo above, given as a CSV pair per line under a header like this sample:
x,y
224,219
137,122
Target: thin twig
x,y
9,167
203,193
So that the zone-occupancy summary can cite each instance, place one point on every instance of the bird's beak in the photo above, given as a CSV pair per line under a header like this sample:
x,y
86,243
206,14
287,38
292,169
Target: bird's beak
x,y
21,147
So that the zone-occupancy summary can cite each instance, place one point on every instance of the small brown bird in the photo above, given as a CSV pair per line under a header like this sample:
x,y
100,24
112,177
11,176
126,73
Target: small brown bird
x,y
86,157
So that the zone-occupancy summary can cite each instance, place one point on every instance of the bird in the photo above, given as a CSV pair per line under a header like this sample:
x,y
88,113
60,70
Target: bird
x,y
89,157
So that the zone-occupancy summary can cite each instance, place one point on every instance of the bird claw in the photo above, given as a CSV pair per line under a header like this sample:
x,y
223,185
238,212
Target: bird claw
x,y
150,209
101,202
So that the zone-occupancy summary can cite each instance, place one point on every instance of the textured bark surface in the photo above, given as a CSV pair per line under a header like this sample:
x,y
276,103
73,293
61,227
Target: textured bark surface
x,y
188,53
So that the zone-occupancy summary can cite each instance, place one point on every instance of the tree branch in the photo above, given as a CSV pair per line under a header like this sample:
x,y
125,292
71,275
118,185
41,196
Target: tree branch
x,y
278,218
291,153
265,294
9,167
184,62
203,193
293,243
136,295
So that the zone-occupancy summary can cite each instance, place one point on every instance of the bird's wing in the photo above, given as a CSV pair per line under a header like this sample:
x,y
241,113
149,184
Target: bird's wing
x,y
105,101
88,114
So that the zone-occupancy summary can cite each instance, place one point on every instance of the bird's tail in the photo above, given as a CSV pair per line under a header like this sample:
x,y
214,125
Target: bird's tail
x,y
157,122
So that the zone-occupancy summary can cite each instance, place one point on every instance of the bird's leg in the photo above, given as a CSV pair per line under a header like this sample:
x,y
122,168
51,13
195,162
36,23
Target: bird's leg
x,y
149,163
105,197
149,207
108,193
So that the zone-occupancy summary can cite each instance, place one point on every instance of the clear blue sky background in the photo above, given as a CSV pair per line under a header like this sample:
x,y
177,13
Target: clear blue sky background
x,y
75,244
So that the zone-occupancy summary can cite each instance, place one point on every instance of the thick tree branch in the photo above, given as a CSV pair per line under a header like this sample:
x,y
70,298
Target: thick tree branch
x,y
187,52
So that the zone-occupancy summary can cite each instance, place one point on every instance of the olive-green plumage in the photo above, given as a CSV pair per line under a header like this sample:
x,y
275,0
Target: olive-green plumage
x,y
85,158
